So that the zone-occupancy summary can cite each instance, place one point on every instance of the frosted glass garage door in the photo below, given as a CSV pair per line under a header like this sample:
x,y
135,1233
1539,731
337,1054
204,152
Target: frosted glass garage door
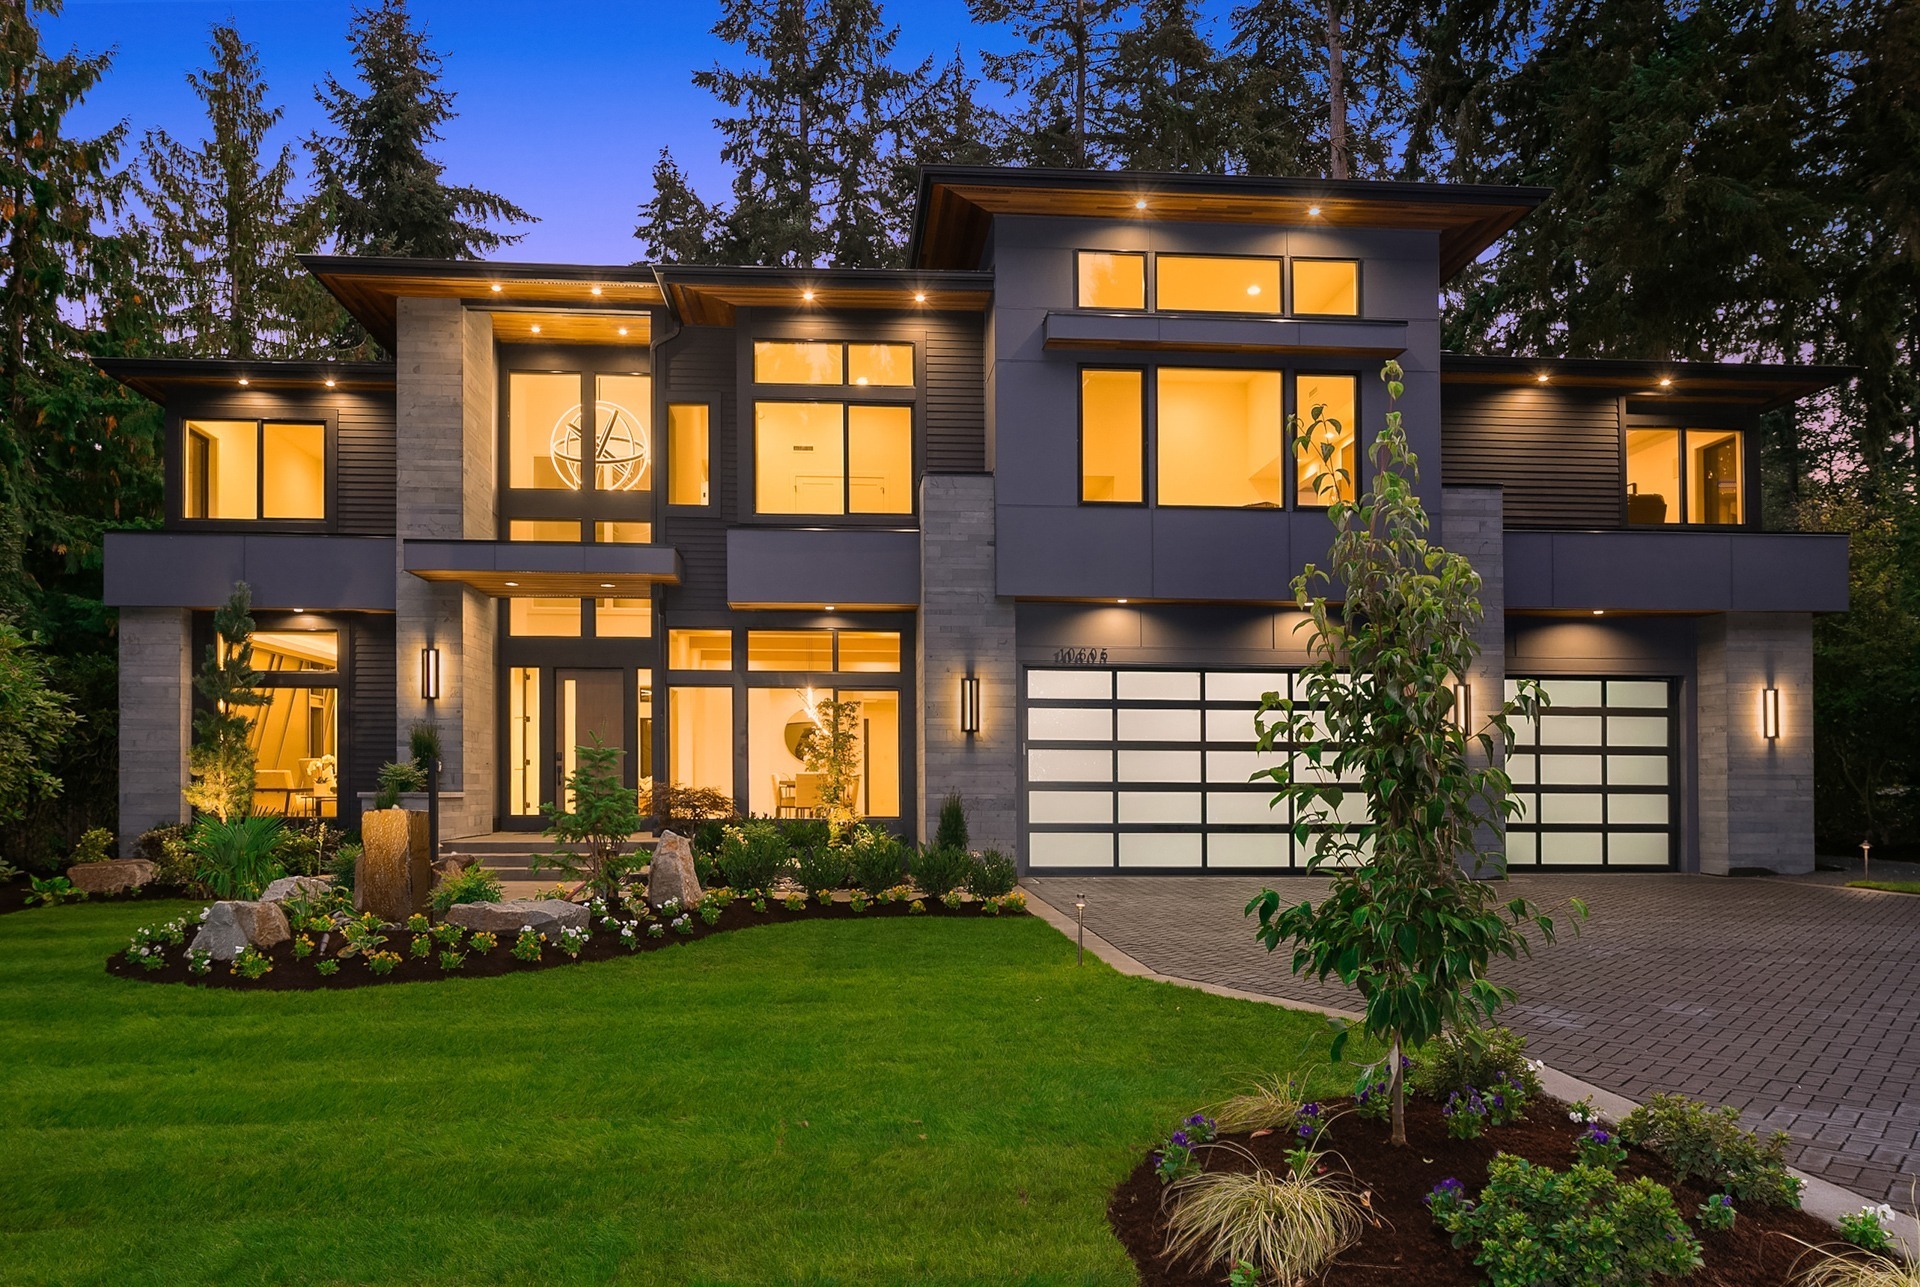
x,y
1148,770
1596,776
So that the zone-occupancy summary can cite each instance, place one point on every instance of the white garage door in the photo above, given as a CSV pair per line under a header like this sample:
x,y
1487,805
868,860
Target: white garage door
x,y
1597,777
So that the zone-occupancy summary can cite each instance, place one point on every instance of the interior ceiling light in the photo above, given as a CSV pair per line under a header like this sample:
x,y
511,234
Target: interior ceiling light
x,y
1253,290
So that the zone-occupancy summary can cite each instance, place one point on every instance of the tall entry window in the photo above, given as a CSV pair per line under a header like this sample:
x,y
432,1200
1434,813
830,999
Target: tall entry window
x,y
254,469
1685,476
295,732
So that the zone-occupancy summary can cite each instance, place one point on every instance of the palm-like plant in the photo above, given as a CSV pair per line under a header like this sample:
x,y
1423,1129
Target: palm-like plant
x,y
237,858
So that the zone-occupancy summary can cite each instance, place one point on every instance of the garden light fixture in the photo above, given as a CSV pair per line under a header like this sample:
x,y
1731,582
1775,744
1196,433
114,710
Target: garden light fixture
x,y
1080,919
1866,857
1770,713
430,674
969,704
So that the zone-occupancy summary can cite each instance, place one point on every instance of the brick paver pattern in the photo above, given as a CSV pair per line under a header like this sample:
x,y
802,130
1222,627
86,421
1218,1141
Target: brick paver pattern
x,y
1797,1002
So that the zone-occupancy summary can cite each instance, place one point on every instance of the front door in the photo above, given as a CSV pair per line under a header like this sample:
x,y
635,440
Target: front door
x,y
590,710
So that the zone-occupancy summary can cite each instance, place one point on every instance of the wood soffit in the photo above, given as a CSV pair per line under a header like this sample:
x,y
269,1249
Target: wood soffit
x,y
370,289
713,302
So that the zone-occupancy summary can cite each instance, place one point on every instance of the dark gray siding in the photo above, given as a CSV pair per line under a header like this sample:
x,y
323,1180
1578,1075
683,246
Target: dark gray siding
x,y
956,410
697,365
1554,452
370,703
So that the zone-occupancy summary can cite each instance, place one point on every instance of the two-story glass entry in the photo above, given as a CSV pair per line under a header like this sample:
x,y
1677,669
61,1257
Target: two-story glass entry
x,y
1153,770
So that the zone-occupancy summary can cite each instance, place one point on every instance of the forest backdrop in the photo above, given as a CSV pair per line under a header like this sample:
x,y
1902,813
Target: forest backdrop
x,y
1732,179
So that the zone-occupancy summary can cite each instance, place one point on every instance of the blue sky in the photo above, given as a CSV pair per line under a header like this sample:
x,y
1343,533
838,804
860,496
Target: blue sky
x,y
563,104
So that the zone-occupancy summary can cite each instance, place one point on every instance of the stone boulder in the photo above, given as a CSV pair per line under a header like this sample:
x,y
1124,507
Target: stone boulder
x,y
671,879
546,915
229,926
112,876
302,887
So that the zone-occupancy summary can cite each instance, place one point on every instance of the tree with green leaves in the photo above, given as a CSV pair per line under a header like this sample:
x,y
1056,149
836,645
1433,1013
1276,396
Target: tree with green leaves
x,y
596,822
1060,73
1408,919
223,229
221,761
384,192
34,718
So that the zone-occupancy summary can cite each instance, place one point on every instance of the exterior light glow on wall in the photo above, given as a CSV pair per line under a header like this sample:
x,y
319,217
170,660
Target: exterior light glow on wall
x,y
1770,713
970,704
1463,706
430,674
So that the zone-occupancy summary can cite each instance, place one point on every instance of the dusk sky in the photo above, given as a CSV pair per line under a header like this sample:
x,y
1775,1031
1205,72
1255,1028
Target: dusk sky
x,y
563,104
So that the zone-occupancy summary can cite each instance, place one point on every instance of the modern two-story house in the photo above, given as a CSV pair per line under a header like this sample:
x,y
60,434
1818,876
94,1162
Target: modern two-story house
x,y
1029,505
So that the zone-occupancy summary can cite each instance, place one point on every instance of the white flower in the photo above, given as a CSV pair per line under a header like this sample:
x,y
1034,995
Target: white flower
x,y
1883,1213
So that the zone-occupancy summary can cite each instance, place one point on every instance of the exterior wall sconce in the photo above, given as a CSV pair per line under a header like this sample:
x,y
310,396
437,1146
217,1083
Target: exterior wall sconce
x,y
1770,713
970,704
430,674
1463,706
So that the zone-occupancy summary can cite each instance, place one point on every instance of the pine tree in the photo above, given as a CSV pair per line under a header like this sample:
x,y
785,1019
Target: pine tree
x,y
1317,84
385,194
222,759
1167,105
949,125
1061,73
676,225
224,230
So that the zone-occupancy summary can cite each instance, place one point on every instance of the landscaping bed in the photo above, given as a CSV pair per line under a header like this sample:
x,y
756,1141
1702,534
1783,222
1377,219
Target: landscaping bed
x,y
1402,1246
288,972
15,897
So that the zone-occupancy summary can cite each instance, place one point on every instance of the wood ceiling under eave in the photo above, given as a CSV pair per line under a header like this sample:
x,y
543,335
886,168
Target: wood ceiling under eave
x,y
373,298
1734,388
571,326
713,304
959,215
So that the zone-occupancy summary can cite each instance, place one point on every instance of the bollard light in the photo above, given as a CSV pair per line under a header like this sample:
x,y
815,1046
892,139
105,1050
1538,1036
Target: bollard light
x,y
1080,918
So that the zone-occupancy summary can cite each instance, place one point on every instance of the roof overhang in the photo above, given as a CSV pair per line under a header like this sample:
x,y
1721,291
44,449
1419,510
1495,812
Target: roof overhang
x,y
957,205
162,378
369,287
1754,386
708,296
510,569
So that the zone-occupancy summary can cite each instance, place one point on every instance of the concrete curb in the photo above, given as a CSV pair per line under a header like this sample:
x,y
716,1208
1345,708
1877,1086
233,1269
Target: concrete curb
x,y
1819,1198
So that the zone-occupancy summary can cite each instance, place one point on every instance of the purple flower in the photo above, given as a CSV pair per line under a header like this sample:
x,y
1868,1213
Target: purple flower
x,y
1448,1189
1595,1135
1498,1102
1306,1130
1180,1140
1309,1110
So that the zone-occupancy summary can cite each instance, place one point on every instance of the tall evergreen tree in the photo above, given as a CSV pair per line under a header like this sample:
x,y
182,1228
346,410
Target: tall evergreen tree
x,y
224,229
1318,85
676,225
949,125
1167,101
386,195
1060,72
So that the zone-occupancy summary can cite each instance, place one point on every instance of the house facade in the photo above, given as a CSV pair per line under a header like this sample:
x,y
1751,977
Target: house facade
x,y
1028,508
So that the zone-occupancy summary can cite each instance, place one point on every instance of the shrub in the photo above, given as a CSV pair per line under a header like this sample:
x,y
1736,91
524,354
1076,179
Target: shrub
x,y
1583,1227
1466,1114
423,747
940,871
221,762
166,848
1286,1226
250,963
670,804
397,778
823,866
951,831
753,855
994,874
604,816
1266,1105
879,860
51,891
237,859
1459,1060
96,845
805,833
474,885
1702,1143
1716,1213
345,860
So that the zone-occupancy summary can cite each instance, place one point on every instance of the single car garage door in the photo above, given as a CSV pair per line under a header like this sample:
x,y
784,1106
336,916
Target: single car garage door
x,y
1597,776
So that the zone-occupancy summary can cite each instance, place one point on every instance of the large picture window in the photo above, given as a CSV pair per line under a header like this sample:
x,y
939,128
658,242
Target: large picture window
x,y
1685,476
1216,284
255,469
832,458
1218,438
295,732
556,441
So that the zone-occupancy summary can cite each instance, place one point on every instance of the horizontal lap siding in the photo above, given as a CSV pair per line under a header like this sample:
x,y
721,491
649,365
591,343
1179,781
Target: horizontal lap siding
x,y
1555,453
956,399
698,366
367,466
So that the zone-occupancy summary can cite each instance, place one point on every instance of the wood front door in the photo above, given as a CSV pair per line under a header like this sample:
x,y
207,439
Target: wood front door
x,y
590,709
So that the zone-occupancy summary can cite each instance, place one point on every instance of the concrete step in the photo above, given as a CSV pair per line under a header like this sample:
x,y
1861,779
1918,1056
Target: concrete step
x,y
508,853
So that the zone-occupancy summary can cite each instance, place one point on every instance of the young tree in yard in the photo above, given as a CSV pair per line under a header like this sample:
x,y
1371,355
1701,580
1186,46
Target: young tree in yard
x,y
386,195
34,718
599,819
221,762
1407,919
223,229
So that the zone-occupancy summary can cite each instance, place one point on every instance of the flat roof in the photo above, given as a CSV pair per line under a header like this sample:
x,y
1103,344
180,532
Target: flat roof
x,y
1761,386
702,295
957,203
160,378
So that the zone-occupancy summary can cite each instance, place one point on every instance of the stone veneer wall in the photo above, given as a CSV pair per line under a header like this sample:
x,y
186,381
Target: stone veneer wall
x,y
156,712
965,628
1473,523
1756,795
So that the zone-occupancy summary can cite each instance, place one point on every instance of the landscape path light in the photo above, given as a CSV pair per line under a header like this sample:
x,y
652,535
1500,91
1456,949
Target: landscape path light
x,y
1080,917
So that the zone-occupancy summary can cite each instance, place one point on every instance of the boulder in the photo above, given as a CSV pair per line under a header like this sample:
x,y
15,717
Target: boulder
x,y
393,844
304,887
264,923
111,876
546,915
229,926
671,878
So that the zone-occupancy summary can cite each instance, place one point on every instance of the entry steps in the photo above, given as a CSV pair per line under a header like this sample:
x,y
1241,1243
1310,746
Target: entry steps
x,y
508,854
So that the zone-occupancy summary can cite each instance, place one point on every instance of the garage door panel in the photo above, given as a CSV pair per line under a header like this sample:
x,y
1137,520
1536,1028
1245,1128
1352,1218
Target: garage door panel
x,y
1595,779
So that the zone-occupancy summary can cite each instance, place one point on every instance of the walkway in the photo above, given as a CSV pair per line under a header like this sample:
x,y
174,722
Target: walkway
x,y
1796,1000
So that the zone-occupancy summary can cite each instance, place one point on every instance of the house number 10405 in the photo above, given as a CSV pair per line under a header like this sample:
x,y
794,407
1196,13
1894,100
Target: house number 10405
x,y
1080,656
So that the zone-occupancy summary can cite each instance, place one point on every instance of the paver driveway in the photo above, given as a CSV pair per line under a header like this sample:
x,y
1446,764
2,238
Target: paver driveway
x,y
1798,1002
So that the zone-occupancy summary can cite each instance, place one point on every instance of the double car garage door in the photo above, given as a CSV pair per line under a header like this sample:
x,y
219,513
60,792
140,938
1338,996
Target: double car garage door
x,y
1148,770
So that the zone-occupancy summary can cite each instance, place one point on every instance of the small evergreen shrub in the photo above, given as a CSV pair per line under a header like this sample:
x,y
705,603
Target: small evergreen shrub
x,y
879,860
474,885
1458,1061
1583,1227
1710,1145
166,848
753,855
805,833
96,845
398,778
823,866
345,859
951,832
994,874
939,872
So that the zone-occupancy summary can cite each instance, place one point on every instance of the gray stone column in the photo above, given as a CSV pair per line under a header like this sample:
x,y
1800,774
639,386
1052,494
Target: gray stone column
x,y
1756,793
965,629
444,438
156,708
1473,523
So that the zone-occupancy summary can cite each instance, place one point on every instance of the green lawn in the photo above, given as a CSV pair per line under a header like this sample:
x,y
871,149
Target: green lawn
x,y
1891,886
874,1102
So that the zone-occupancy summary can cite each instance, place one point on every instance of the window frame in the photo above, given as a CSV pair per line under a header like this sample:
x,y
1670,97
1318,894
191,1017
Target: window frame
x,y
341,678
587,504
1359,287
1146,280
175,481
1681,426
1147,479
1153,447
664,465
1290,396
1278,312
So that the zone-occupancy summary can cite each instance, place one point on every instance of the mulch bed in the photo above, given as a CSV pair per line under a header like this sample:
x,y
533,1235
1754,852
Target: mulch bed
x,y
13,898
290,974
1404,1248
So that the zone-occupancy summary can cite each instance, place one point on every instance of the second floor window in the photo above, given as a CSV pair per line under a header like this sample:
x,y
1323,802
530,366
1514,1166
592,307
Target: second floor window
x,y
566,433
832,458
1685,476
255,469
